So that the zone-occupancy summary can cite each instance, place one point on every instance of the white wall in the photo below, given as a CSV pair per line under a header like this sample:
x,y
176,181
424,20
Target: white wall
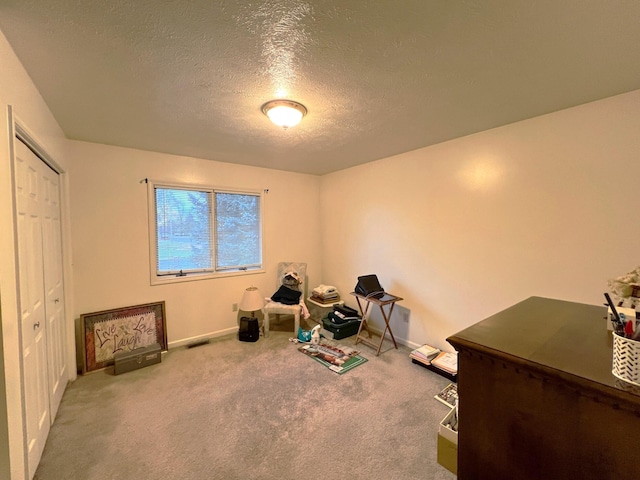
x,y
463,229
111,241
17,91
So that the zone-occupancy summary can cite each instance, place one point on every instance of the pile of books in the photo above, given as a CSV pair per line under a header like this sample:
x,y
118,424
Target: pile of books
x,y
444,363
425,354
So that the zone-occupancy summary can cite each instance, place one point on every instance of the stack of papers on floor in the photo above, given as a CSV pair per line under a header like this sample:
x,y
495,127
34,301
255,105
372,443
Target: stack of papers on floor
x,y
447,362
425,354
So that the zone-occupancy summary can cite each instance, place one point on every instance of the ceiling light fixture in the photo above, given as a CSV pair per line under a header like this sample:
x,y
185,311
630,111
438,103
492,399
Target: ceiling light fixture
x,y
284,113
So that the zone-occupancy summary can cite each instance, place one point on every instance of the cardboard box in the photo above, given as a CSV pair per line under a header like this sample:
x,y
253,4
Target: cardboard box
x,y
448,444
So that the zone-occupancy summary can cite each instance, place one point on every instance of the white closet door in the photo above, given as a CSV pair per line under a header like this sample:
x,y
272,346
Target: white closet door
x,y
41,296
53,287
32,302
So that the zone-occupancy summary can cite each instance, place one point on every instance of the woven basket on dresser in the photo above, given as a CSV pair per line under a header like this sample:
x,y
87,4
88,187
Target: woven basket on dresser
x,y
626,359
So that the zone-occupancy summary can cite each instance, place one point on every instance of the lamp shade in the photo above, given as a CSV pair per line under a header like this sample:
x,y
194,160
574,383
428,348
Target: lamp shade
x,y
251,300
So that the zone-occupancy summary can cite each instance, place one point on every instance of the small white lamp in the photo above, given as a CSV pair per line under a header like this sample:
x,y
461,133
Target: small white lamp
x,y
251,301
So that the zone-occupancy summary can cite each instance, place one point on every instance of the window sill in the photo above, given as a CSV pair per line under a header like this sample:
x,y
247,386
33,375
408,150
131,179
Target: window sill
x,y
192,277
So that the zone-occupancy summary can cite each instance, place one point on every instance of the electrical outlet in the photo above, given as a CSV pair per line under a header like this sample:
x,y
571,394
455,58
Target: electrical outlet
x,y
405,316
234,307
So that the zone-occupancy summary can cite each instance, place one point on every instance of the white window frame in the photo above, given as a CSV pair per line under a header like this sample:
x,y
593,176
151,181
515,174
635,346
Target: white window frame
x,y
153,240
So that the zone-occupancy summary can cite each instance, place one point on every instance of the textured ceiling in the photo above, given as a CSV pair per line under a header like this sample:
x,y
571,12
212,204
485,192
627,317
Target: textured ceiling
x,y
379,77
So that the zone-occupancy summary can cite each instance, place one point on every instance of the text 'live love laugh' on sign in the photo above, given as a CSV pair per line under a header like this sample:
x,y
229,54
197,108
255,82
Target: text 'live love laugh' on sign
x,y
123,334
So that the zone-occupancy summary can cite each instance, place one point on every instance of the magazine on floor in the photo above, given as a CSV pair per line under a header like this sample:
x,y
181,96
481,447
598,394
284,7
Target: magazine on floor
x,y
447,361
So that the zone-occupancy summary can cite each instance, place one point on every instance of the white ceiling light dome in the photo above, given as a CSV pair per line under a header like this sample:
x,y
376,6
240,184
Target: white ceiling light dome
x,y
284,113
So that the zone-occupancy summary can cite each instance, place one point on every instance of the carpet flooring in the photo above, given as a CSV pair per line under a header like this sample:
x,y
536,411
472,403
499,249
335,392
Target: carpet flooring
x,y
236,410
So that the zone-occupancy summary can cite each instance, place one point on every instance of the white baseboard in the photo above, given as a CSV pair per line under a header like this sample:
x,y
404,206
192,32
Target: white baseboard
x,y
400,341
221,333
187,341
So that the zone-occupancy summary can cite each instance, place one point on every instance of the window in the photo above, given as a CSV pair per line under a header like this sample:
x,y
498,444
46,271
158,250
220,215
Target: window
x,y
199,232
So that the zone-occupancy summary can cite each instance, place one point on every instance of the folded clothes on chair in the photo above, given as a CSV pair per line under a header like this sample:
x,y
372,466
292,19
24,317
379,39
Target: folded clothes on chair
x,y
286,296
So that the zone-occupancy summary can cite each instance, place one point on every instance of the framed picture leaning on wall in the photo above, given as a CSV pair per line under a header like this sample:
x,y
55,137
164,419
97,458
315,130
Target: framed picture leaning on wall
x,y
119,330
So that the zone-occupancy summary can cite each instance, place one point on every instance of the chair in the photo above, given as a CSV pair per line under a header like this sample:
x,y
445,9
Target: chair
x,y
277,308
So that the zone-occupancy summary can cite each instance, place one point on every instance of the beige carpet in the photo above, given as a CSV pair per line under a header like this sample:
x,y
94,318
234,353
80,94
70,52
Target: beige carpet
x,y
235,410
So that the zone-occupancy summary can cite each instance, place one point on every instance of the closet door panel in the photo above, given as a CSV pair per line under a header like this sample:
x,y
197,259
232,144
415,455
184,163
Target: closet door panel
x,y
29,198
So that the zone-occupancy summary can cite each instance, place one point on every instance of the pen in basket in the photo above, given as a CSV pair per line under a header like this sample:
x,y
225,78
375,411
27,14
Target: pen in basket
x,y
618,325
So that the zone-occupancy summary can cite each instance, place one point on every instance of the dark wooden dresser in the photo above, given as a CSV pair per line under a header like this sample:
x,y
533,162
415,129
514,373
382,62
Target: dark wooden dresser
x,y
538,400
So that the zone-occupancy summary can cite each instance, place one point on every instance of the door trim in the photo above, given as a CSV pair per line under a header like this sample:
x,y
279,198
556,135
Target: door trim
x,y
16,130
27,138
